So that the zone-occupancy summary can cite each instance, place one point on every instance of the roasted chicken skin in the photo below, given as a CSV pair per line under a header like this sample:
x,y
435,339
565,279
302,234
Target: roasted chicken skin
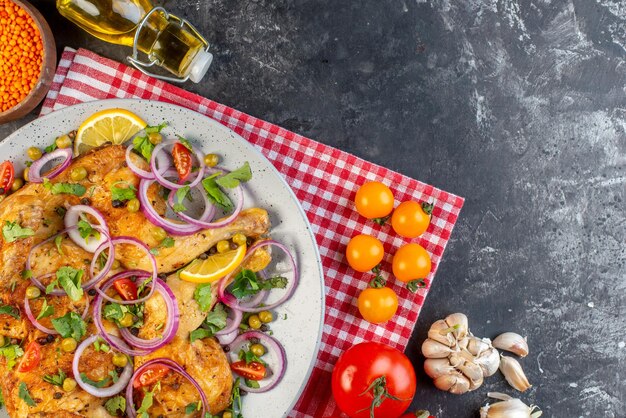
x,y
35,207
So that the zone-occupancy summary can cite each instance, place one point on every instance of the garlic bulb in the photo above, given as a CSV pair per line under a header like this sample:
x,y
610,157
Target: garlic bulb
x,y
513,373
508,408
449,360
510,341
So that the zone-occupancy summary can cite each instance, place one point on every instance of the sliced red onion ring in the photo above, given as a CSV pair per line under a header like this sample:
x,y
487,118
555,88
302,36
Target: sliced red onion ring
x,y
233,302
130,402
273,346
34,172
232,324
226,339
158,172
136,170
203,220
111,245
170,328
141,275
112,390
72,216
32,318
172,227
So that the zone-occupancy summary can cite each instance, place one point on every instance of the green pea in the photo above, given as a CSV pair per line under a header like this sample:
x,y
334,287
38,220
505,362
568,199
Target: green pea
x,y
32,292
133,205
78,173
68,344
34,153
64,141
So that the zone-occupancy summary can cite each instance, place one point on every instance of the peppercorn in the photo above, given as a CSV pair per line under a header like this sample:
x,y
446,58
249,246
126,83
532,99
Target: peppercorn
x,y
85,201
57,395
117,203
92,292
264,328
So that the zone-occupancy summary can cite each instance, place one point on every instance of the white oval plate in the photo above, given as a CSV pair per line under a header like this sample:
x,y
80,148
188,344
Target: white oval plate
x,y
301,331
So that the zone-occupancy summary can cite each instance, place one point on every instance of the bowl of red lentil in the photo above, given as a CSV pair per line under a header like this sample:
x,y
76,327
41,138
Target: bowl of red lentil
x,y
27,58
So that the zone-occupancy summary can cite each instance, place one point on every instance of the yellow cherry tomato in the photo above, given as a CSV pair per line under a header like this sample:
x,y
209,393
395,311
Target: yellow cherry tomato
x,y
411,219
411,262
374,200
364,252
378,305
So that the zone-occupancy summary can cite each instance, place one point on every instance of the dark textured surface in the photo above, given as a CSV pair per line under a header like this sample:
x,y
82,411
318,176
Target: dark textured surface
x,y
519,106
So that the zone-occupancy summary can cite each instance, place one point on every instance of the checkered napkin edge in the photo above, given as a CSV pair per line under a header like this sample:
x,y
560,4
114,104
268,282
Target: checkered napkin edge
x,y
324,180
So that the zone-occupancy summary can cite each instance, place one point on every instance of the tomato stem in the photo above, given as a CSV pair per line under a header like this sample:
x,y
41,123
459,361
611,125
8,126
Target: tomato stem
x,y
379,391
381,221
378,281
415,285
428,208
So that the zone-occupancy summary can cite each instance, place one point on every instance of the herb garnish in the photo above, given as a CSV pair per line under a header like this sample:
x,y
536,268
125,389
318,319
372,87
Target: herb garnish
x,y
12,231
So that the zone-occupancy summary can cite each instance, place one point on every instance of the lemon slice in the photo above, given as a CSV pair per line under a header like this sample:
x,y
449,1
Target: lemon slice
x,y
111,125
214,267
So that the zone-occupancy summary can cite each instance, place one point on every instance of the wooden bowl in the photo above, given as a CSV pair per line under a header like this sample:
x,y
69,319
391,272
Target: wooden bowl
x,y
48,67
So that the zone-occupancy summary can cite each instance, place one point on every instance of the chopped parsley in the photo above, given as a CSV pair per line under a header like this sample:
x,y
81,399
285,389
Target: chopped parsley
x,y
9,310
215,194
203,296
50,147
215,321
116,405
252,383
247,283
69,279
179,198
185,142
249,357
232,179
55,379
123,193
11,353
57,241
168,242
25,395
46,310
64,188
97,384
86,230
192,407
70,325
27,274
12,231
146,402
115,312
142,145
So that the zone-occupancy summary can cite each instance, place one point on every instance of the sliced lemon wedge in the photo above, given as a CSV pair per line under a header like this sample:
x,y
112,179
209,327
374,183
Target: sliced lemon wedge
x,y
214,267
110,125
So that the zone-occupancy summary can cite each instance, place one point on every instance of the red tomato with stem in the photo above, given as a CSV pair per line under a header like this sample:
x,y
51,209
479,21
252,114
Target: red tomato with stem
x,y
7,175
182,161
31,358
253,370
126,288
150,375
373,380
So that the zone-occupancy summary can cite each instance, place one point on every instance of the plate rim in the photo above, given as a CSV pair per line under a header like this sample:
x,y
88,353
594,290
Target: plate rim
x,y
251,148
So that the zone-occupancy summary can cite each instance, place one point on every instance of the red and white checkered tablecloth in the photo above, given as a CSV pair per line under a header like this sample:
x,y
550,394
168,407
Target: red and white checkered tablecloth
x,y
323,178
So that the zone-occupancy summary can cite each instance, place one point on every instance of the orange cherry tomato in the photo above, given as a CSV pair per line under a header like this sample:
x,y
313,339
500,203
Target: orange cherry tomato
x,y
31,358
411,262
374,200
253,370
150,375
364,252
378,305
411,219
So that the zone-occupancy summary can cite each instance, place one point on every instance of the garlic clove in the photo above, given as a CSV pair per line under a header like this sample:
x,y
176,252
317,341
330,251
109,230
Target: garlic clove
x,y
434,349
489,361
508,408
459,323
435,367
510,341
473,372
477,345
456,384
442,333
513,373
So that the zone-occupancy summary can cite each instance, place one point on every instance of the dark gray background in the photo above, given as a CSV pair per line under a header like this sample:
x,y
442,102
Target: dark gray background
x,y
519,106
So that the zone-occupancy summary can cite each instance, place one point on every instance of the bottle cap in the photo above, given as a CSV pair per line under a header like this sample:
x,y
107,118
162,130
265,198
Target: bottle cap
x,y
199,66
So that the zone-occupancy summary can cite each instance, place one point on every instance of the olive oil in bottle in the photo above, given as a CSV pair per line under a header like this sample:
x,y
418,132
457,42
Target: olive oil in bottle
x,y
168,41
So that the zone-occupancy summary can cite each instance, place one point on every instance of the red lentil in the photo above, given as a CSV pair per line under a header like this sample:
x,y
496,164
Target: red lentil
x,y
21,54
